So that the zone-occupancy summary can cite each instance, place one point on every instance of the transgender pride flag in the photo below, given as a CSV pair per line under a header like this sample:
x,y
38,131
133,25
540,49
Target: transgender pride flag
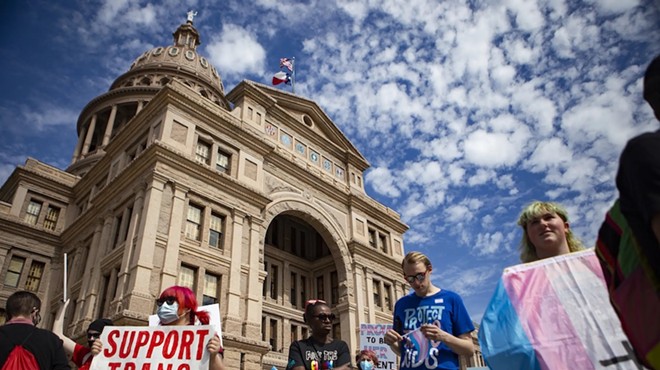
x,y
554,314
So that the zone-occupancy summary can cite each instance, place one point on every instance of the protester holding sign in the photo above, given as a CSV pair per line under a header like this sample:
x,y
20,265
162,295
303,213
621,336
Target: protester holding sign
x,y
431,325
319,351
366,359
546,232
177,306
81,356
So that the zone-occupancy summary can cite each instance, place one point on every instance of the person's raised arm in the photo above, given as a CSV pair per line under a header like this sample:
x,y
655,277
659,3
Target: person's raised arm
x,y
58,328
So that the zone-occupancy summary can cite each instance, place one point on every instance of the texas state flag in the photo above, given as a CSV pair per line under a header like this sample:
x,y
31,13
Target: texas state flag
x,y
281,77
554,314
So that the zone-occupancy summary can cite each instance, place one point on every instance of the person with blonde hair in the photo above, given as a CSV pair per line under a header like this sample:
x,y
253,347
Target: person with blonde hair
x,y
431,325
546,232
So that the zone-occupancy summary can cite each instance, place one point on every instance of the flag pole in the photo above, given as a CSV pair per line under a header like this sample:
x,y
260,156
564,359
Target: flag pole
x,y
293,75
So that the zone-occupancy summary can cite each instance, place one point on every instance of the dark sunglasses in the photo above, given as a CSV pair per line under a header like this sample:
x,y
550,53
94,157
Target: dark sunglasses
x,y
314,302
169,300
92,336
419,277
323,316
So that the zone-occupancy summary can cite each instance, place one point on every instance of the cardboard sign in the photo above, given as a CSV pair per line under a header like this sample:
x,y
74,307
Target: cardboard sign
x,y
214,319
372,338
154,348
554,314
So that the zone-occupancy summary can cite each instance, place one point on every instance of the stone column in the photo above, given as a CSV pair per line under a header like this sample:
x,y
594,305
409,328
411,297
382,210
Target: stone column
x,y
252,326
171,265
128,257
234,316
358,277
370,295
92,256
109,126
142,265
95,278
79,144
90,134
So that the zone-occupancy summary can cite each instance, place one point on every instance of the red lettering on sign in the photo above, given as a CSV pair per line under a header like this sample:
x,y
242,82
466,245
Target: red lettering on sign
x,y
200,347
157,339
184,367
126,344
112,345
130,366
146,366
187,338
160,367
171,344
114,365
142,339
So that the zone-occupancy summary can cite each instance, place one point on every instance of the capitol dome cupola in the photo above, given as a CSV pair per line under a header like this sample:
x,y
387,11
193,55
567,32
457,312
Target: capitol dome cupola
x,y
107,114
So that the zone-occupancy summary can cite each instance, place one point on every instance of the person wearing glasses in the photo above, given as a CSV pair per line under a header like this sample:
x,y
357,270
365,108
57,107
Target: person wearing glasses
x,y
320,351
177,306
546,232
431,325
81,356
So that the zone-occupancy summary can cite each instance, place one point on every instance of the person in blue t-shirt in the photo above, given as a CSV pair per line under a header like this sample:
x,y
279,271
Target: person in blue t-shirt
x,y
431,325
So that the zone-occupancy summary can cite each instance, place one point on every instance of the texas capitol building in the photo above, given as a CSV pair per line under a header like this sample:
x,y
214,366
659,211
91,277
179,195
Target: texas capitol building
x,y
253,198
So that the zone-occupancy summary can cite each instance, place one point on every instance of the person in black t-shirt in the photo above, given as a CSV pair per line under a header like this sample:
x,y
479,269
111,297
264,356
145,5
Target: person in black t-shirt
x,y
21,329
319,351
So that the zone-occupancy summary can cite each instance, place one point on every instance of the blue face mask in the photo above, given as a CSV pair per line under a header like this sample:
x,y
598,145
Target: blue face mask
x,y
168,313
366,365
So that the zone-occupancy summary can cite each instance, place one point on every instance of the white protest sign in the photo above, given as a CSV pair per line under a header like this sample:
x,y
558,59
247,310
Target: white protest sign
x,y
154,348
372,338
214,318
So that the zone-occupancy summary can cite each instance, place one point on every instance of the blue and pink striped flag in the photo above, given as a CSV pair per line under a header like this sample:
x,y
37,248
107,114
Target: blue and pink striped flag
x,y
554,314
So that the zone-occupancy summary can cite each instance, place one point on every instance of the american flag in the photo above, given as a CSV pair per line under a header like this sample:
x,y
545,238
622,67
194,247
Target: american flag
x,y
286,62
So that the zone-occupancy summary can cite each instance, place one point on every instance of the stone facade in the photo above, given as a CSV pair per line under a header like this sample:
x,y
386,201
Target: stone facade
x,y
258,208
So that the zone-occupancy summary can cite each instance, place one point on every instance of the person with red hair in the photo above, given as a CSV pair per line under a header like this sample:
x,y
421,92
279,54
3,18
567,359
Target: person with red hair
x,y
177,305
366,360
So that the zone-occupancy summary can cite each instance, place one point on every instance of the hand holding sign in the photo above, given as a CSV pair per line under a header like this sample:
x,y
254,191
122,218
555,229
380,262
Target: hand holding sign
x,y
163,347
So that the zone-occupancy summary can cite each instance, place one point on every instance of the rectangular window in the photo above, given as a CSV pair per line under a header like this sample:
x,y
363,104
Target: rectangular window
x,y
128,224
383,242
305,332
52,214
263,328
388,296
372,238
34,276
258,118
273,281
273,335
319,288
194,222
303,289
294,333
116,240
203,152
303,247
187,277
265,284
210,294
215,231
336,331
334,288
250,112
32,213
293,295
376,288
222,162
14,271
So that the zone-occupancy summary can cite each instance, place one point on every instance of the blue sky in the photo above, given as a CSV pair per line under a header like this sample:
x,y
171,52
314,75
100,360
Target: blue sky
x,y
466,110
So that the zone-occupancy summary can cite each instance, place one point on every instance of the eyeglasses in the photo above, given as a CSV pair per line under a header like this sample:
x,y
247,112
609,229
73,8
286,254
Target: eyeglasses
x,y
170,300
314,302
419,277
92,336
324,316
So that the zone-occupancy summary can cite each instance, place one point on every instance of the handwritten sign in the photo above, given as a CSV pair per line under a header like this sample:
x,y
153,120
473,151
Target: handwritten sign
x,y
372,338
154,348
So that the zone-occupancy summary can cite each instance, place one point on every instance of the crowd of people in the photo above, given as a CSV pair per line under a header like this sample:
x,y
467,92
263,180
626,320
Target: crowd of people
x,y
431,325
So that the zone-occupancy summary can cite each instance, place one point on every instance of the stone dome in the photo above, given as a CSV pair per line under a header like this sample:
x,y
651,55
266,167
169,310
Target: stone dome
x,y
160,65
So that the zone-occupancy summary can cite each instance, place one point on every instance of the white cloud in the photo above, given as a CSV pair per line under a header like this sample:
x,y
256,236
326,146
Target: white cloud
x,y
494,149
382,181
237,51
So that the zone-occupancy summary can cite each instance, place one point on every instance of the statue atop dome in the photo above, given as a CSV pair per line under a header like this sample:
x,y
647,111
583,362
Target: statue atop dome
x,y
191,15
